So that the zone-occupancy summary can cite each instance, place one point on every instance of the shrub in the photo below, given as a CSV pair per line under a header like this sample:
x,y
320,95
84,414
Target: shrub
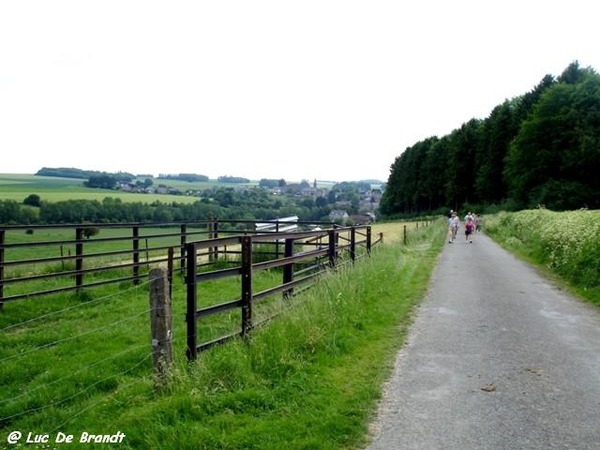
x,y
566,242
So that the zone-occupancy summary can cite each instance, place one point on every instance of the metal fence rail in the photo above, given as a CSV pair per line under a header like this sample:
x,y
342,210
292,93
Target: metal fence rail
x,y
78,251
306,255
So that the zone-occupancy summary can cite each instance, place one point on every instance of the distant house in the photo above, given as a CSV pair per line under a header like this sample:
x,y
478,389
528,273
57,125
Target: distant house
x,y
339,216
360,219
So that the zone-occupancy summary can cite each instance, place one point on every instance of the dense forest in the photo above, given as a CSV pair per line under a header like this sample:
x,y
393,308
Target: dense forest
x,y
539,149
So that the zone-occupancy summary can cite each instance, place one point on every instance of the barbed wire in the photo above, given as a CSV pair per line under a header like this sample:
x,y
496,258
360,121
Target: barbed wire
x,y
70,308
72,374
44,395
80,392
72,338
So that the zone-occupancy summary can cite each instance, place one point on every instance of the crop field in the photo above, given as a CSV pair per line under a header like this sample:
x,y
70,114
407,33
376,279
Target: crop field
x,y
393,232
55,189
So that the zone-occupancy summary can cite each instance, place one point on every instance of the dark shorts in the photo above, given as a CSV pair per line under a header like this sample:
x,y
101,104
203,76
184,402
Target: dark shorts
x,y
468,231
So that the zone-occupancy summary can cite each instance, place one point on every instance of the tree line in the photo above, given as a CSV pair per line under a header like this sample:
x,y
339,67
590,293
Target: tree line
x,y
226,203
72,172
541,148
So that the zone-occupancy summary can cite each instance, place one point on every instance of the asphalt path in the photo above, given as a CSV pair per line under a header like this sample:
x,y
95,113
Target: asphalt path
x,y
496,358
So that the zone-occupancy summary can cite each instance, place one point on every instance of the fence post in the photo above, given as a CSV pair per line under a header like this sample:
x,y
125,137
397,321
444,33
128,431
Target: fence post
x,y
246,270
353,244
369,240
213,234
192,301
404,234
182,242
161,319
331,249
288,269
2,236
79,258
277,246
170,265
136,255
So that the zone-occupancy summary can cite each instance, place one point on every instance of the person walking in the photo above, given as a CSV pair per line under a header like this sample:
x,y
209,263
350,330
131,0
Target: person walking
x,y
469,228
453,223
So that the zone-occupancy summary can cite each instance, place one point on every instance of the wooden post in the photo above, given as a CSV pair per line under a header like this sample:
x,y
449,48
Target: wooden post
x,y
404,234
161,318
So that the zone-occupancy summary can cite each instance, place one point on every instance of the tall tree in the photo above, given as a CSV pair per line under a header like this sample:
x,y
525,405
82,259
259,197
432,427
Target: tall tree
x,y
555,158
498,130
433,175
460,176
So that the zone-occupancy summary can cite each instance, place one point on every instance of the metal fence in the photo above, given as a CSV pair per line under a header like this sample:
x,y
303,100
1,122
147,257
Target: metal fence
x,y
305,256
47,259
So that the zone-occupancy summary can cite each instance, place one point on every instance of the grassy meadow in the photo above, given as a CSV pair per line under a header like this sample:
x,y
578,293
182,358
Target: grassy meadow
x,y
54,189
17,187
309,379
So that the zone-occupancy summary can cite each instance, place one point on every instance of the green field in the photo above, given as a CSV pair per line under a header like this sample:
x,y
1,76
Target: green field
x,y
17,187
310,379
82,364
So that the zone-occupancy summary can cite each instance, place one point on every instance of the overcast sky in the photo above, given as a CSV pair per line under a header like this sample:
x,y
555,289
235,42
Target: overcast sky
x,y
327,90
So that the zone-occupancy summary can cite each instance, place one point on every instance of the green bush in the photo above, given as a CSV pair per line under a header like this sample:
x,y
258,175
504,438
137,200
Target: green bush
x,y
568,242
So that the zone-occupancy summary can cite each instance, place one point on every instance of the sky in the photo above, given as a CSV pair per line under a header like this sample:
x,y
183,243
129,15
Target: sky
x,y
301,90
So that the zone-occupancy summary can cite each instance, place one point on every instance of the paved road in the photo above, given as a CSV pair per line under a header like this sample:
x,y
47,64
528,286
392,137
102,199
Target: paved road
x,y
497,358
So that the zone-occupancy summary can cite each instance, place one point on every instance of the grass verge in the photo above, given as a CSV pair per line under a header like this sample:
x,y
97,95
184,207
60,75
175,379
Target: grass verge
x,y
565,245
312,378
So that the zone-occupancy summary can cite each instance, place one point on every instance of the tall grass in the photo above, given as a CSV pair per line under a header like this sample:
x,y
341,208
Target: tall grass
x,y
566,243
310,379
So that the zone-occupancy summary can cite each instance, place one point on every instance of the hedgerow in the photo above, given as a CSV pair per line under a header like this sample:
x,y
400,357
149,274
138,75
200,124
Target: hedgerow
x,y
566,242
